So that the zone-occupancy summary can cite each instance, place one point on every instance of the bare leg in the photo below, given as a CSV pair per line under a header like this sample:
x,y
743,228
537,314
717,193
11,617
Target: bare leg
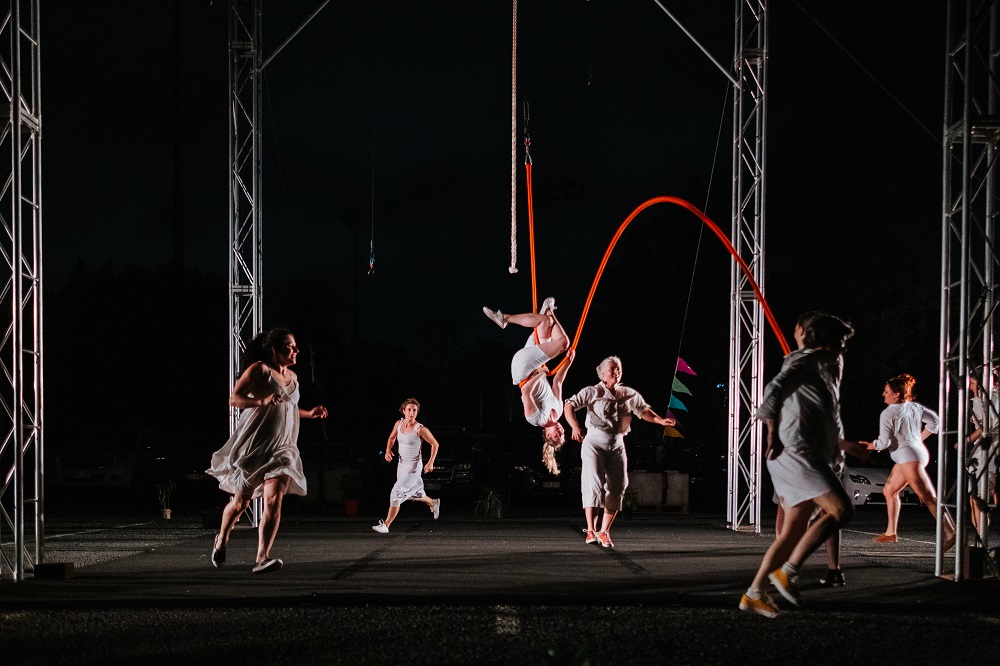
x,y
893,486
588,511
795,524
391,516
921,484
833,551
609,517
234,509
837,512
274,492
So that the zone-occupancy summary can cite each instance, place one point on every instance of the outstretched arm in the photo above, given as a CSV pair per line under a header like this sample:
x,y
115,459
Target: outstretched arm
x,y
649,415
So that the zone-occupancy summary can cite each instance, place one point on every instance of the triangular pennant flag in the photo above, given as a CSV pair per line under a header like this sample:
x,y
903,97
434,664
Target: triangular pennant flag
x,y
670,415
684,367
678,387
671,432
677,404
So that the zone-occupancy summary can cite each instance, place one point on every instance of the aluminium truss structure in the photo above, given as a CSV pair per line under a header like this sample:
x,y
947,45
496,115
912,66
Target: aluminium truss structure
x,y
245,250
21,451
746,322
970,275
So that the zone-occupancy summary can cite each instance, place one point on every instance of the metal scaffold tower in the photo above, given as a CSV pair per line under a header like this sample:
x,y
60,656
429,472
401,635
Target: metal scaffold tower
x,y
970,268
245,250
746,353
21,451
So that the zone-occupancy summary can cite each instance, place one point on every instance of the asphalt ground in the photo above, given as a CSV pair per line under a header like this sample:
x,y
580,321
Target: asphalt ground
x,y
460,590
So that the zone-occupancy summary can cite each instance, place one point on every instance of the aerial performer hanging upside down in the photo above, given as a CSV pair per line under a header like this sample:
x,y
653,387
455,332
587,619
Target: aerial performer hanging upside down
x,y
543,405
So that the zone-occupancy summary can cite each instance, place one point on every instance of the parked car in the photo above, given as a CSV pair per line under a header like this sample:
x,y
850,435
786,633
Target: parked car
x,y
864,482
112,458
527,476
455,468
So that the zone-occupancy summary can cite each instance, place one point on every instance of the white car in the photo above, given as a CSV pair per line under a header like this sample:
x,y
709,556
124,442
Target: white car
x,y
864,485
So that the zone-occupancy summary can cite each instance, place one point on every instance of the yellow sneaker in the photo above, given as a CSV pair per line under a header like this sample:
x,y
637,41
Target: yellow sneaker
x,y
787,585
764,606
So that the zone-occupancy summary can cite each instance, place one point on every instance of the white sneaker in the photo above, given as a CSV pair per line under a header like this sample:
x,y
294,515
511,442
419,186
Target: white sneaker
x,y
381,528
436,509
496,316
548,305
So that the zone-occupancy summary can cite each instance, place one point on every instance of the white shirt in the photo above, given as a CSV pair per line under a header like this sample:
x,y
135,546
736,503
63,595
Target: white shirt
x,y
900,426
804,398
609,411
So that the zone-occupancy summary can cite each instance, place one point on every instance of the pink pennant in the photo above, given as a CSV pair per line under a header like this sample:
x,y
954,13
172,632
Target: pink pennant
x,y
682,366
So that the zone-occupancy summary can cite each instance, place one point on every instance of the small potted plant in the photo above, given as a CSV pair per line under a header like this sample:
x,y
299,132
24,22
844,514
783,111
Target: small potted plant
x,y
165,489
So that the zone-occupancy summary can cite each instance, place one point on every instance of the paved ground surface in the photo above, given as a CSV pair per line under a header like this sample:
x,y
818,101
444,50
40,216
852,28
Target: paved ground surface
x,y
459,590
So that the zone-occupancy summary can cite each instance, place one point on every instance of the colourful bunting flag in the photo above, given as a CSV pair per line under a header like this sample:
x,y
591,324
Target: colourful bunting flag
x,y
684,367
677,404
671,432
678,387
670,415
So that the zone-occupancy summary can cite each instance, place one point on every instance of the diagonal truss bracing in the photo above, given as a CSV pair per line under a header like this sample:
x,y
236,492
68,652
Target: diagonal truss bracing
x,y
21,451
970,269
746,355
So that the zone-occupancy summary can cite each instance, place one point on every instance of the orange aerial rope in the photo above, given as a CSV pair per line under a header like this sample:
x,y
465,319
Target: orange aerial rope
x,y
607,254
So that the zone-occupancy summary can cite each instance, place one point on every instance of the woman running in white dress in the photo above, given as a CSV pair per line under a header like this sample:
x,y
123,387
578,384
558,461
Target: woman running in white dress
x,y
903,427
409,484
261,459
804,434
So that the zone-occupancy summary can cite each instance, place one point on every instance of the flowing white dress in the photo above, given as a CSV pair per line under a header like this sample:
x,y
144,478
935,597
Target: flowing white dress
x,y
263,447
409,484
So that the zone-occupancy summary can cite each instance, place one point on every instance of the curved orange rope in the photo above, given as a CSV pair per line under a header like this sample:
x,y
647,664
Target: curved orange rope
x,y
719,234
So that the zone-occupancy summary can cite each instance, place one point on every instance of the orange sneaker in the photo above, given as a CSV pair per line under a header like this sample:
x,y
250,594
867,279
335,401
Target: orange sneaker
x,y
764,606
885,538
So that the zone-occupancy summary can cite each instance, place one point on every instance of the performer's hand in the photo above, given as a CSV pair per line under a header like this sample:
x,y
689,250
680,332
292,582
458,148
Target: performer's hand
x,y
868,445
429,467
577,434
388,455
667,421
273,399
570,355
318,412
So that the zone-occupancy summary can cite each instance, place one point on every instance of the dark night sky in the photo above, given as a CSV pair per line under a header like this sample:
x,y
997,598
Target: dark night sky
x,y
400,112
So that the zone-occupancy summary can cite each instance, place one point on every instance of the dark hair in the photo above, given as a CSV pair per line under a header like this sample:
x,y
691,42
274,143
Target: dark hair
x,y
409,401
262,347
825,331
903,384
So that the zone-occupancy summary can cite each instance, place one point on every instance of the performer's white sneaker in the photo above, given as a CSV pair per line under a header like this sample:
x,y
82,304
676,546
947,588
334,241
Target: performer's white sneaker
x,y
496,316
436,509
548,305
381,528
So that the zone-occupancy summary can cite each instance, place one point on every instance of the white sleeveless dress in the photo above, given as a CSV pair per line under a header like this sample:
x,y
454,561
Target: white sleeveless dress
x,y
263,447
409,484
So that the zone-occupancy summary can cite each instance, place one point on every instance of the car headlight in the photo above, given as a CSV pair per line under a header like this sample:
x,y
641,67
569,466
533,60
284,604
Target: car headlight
x,y
857,478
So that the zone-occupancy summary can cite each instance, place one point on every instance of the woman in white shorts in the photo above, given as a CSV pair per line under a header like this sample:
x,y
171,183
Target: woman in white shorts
x,y
604,475
542,402
409,484
801,407
903,427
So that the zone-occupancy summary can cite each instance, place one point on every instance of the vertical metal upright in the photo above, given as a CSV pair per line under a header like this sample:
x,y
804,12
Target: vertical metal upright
x,y
746,353
21,450
245,249
969,259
